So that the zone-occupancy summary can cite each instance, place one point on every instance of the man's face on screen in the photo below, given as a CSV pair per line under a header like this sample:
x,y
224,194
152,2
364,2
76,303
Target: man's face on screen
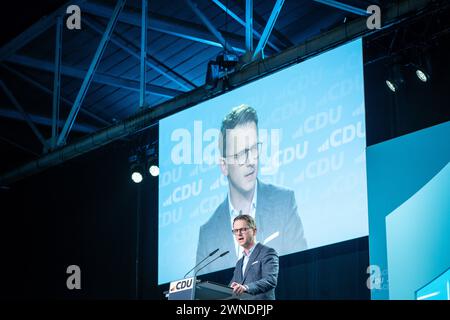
x,y
241,161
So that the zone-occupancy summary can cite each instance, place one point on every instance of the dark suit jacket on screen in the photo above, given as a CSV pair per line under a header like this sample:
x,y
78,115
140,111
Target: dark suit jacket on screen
x,y
277,220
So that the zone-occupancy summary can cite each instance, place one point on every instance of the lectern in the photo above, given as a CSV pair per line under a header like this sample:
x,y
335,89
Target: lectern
x,y
195,289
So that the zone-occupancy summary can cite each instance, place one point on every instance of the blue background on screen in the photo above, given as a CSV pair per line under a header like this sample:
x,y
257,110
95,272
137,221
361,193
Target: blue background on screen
x,y
312,116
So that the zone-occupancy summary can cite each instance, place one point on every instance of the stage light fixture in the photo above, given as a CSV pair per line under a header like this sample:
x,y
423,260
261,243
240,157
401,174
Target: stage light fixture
x,y
395,79
152,166
136,168
153,170
152,162
143,162
224,64
421,64
423,70
422,75
137,173
391,85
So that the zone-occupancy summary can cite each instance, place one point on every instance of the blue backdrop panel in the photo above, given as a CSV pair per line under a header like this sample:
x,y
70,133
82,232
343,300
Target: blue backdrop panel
x,y
408,189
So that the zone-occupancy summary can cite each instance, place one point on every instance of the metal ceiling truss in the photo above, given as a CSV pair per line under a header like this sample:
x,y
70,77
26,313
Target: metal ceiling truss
x,y
57,82
34,31
248,11
8,53
18,146
25,115
344,7
50,92
90,73
134,51
249,26
268,29
102,78
397,12
210,26
143,57
281,38
44,121
175,27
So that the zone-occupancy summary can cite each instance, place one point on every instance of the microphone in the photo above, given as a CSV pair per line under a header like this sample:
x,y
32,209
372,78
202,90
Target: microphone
x,y
225,253
209,255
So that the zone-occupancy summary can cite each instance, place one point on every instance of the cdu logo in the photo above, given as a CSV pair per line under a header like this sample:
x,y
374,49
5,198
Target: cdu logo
x,y
181,285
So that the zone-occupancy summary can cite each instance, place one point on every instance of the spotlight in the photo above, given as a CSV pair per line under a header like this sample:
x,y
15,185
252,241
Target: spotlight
x,y
421,65
152,166
137,173
136,169
395,79
391,85
423,70
143,162
422,75
152,162
154,170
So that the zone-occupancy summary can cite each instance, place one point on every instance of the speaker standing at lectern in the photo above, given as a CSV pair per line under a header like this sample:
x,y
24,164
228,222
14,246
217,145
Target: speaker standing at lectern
x,y
256,272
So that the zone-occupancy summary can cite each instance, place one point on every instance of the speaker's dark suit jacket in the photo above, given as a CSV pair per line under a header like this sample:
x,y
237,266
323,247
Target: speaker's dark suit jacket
x,y
261,273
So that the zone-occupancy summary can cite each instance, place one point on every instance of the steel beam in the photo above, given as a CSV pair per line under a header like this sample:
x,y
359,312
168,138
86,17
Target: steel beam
x,y
18,146
344,7
175,27
396,13
90,73
257,19
143,58
24,114
210,26
42,120
34,31
103,78
57,81
50,92
268,28
243,23
249,26
133,50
